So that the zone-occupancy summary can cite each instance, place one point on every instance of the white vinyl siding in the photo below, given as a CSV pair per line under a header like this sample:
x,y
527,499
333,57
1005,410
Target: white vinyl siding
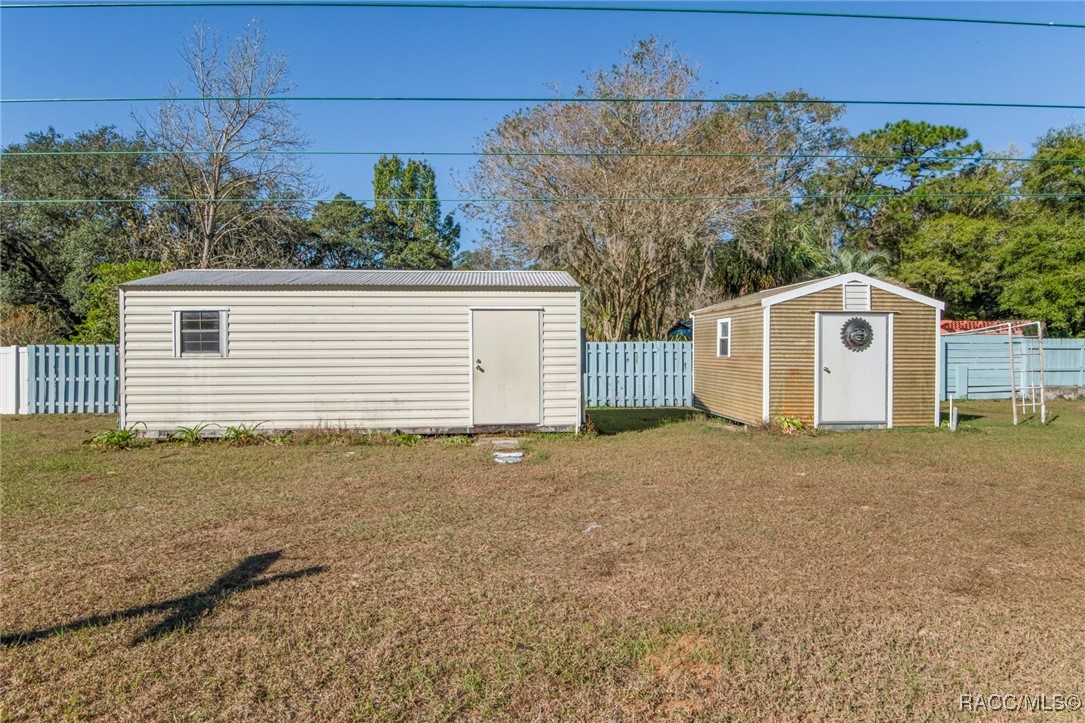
x,y
299,358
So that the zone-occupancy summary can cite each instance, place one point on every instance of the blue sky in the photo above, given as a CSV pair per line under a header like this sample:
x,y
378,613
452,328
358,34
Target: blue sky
x,y
340,51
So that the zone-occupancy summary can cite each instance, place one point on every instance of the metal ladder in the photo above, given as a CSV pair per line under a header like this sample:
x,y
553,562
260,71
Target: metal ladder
x,y
1027,390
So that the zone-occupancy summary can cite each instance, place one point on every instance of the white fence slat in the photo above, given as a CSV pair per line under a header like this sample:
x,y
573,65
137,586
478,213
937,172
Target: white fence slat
x,y
9,380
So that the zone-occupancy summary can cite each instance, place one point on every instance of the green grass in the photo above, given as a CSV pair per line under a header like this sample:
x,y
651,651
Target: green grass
x,y
668,568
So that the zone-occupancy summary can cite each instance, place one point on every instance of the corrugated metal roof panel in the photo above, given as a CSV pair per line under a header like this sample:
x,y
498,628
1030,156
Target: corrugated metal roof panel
x,y
196,278
757,296
813,285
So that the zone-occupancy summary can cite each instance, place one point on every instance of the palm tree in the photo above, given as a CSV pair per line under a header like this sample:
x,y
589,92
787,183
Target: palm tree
x,y
846,261
768,252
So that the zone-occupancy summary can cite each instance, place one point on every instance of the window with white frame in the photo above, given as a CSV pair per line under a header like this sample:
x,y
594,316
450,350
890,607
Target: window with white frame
x,y
199,332
723,337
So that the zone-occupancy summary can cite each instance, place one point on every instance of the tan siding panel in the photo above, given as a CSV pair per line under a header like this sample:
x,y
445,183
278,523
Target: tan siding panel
x,y
791,353
915,364
729,386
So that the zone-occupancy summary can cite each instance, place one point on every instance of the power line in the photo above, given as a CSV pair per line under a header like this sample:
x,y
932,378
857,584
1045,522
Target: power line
x,y
457,201
526,7
534,99
531,154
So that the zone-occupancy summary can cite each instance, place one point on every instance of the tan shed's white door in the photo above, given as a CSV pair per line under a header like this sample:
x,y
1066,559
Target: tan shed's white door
x,y
506,365
854,368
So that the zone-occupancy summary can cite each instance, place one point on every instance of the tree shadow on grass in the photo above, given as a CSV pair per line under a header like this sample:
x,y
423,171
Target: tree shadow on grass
x,y
610,420
185,611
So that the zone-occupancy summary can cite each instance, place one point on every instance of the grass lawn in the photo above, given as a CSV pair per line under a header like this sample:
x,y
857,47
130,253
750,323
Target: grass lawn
x,y
670,566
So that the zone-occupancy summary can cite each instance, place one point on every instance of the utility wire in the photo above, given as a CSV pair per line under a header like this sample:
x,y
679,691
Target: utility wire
x,y
525,6
517,154
456,201
532,99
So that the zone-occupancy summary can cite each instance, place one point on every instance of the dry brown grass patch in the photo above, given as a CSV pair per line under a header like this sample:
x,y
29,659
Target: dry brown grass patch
x,y
665,568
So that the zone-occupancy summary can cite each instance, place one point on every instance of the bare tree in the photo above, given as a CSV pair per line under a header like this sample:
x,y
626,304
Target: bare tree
x,y
228,144
642,262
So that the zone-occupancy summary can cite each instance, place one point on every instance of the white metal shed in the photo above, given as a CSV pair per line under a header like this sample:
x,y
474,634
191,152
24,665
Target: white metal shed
x,y
421,351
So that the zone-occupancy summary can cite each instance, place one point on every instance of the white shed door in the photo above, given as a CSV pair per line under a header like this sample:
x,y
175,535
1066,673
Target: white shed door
x,y
853,368
506,366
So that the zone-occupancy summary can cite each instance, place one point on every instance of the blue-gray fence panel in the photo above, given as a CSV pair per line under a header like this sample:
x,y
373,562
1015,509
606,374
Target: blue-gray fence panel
x,y
62,379
638,374
1064,362
978,366
83,378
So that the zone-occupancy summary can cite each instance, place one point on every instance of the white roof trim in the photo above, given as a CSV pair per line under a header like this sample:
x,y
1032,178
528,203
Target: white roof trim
x,y
842,279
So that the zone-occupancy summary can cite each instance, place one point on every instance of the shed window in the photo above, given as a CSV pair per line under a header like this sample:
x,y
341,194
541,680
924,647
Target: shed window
x,y
200,333
723,337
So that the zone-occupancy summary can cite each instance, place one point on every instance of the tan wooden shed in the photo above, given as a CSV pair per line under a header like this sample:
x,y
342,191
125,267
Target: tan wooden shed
x,y
419,351
846,351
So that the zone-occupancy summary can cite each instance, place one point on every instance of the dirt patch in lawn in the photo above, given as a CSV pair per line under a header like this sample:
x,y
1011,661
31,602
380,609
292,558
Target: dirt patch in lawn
x,y
667,568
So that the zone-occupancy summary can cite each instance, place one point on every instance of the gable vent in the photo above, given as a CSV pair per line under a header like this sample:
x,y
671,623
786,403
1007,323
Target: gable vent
x,y
856,296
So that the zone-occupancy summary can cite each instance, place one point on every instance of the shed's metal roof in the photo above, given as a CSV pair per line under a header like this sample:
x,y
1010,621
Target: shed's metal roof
x,y
759,295
786,293
199,278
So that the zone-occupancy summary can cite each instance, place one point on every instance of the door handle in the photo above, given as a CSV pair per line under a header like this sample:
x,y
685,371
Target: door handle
x,y
479,368
826,370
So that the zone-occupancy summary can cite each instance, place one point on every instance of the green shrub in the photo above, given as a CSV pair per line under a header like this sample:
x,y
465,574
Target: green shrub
x,y
242,435
100,324
189,436
407,440
457,440
114,438
790,424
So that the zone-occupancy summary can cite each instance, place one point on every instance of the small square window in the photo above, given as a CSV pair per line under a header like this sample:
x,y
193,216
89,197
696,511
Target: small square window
x,y
723,337
200,333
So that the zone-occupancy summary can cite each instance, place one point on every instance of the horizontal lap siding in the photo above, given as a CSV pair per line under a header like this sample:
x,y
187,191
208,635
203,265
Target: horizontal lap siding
x,y
915,365
729,386
561,362
347,358
791,352
791,327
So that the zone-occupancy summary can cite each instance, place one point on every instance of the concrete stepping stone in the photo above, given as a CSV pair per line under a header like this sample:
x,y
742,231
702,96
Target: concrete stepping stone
x,y
503,444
